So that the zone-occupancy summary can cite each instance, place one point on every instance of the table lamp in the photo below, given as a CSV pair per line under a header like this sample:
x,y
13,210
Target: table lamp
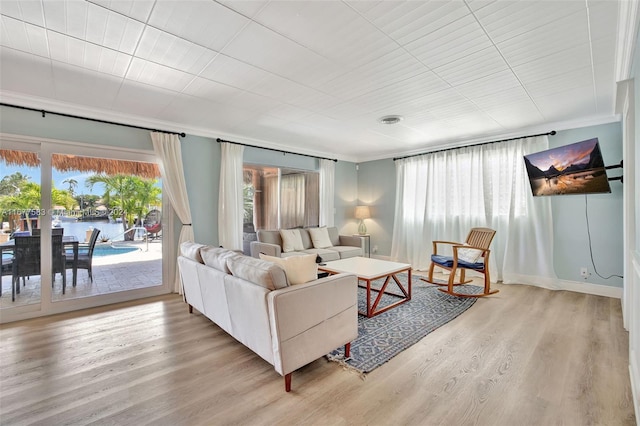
x,y
362,213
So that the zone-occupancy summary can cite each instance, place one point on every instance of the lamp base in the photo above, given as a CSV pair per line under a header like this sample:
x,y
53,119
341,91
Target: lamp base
x,y
362,229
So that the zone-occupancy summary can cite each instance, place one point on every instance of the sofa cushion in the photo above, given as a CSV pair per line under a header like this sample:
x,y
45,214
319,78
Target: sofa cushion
x,y
347,251
260,272
320,237
192,251
216,257
334,236
299,269
306,239
291,240
327,255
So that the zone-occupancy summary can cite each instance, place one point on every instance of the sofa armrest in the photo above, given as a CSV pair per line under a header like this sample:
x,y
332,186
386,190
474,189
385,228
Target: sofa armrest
x,y
267,248
310,320
350,240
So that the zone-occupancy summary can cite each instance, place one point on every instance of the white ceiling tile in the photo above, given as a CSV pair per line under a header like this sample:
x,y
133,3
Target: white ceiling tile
x,y
331,29
556,64
564,107
206,23
489,85
233,72
22,36
162,48
504,20
408,21
457,41
248,8
141,99
472,67
543,41
270,51
28,11
136,9
388,69
158,75
90,56
24,73
75,85
207,89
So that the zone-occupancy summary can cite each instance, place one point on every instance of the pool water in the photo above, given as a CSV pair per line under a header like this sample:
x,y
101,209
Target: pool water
x,y
108,250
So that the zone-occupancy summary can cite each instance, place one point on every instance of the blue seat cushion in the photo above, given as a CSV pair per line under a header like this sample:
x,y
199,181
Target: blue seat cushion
x,y
448,262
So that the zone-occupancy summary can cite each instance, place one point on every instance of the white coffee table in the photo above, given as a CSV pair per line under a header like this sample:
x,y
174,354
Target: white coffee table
x,y
369,270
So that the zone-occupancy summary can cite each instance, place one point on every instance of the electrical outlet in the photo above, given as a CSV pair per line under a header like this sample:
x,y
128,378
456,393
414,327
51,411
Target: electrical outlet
x,y
375,249
584,273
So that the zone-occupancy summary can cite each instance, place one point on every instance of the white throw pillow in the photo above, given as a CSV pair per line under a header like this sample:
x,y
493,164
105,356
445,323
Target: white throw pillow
x,y
469,255
299,269
320,237
291,240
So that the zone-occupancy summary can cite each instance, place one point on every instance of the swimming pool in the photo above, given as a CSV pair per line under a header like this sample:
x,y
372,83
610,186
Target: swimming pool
x,y
108,250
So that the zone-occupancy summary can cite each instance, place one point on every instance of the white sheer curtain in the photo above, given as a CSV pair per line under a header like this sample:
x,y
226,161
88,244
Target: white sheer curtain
x,y
167,148
327,191
230,199
440,196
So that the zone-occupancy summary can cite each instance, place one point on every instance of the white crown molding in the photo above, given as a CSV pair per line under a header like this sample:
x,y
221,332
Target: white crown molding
x,y
128,119
459,143
628,23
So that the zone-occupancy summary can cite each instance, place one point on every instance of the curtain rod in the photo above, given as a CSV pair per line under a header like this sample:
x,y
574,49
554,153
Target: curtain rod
x,y
91,119
553,132
276,150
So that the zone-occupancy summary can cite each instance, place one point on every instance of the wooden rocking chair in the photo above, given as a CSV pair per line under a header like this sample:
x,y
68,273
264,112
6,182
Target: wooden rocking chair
x,y
473,255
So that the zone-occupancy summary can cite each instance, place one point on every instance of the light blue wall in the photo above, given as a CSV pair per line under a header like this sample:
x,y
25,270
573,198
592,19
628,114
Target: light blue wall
x,y
376,186
571,242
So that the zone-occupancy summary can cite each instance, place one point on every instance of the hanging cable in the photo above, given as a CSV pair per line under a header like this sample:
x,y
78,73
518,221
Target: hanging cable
x,y
586,213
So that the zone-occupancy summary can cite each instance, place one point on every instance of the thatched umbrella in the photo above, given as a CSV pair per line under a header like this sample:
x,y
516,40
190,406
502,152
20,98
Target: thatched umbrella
x,y
65,163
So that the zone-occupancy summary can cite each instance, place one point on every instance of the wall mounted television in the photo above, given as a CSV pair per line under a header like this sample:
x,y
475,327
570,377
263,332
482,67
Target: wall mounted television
x,y
577,168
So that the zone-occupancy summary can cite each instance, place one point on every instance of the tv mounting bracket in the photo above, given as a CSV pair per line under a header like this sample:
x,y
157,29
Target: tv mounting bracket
x,y
617,166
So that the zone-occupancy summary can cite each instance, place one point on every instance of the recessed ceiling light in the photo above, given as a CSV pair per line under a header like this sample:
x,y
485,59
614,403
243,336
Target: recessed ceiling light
x,y
390,119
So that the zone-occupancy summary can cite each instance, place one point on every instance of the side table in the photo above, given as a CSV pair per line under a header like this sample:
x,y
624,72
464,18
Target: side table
x,y
366,237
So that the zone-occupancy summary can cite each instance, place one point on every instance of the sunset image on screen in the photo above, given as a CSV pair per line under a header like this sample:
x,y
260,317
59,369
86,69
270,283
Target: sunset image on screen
x,y
571,169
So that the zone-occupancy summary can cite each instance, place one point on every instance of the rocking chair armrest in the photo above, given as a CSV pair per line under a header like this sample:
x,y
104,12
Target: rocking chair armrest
x,y
436,242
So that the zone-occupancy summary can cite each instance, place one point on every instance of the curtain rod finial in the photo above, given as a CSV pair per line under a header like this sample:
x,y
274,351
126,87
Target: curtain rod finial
x,y
553,132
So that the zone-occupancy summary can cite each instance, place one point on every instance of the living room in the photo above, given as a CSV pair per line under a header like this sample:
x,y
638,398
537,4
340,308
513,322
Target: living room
x,y
373,183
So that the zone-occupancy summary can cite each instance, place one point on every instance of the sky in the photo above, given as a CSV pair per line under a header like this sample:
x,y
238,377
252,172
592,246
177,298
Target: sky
x,y
58,178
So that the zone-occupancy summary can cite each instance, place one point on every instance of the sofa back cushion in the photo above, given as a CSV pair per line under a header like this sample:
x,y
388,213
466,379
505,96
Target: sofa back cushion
x,y
191,250
260,272
216,257
269,236
333,235
320,237
299,269
291,240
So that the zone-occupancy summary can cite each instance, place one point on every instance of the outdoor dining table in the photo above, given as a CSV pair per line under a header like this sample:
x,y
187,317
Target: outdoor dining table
x,y
68,241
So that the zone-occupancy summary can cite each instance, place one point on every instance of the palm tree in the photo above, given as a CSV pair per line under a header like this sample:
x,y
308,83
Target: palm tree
x,y
72,185
128,195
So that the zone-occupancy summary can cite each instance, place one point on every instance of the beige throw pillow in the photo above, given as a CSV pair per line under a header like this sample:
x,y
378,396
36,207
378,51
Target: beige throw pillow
x,y
469,255
299,269
291,240
320,237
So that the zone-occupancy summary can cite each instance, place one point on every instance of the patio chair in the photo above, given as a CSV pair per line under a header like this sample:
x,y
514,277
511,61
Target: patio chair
x,y
153,224
54,231
472,255
26,261
85,255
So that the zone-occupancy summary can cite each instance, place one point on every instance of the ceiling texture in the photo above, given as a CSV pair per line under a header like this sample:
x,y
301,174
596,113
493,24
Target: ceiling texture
x,y
315,77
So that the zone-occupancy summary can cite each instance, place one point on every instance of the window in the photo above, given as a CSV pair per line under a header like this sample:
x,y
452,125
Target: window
x,y
280,197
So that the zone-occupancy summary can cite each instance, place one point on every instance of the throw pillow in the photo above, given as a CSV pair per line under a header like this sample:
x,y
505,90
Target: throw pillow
x,y
291,240
320,237
299,269
469,255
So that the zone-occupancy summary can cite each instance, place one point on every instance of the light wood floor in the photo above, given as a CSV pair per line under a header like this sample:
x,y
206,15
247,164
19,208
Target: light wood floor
x,y
525,356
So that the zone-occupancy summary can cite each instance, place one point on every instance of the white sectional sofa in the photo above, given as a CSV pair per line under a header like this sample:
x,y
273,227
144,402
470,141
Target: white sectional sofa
x,y
324,242
251,299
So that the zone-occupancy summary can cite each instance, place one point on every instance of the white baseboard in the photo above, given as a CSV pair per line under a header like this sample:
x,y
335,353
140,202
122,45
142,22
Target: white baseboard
x,y
634,373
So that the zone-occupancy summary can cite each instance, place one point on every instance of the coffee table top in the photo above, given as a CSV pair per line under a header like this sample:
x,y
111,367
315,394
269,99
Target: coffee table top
x,y
365,267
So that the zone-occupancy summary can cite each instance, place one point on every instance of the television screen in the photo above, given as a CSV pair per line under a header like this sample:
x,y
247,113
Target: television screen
x,y
577,168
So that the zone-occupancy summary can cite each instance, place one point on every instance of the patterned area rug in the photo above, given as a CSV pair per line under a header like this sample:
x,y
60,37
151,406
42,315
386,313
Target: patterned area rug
x,y
386,335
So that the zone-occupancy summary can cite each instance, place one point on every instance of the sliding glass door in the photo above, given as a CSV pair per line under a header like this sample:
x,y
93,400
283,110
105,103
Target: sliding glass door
x,y
106,205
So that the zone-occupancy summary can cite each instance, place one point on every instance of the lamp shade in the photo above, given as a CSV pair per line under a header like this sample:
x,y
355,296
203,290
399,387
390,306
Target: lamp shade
x,y
362,212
